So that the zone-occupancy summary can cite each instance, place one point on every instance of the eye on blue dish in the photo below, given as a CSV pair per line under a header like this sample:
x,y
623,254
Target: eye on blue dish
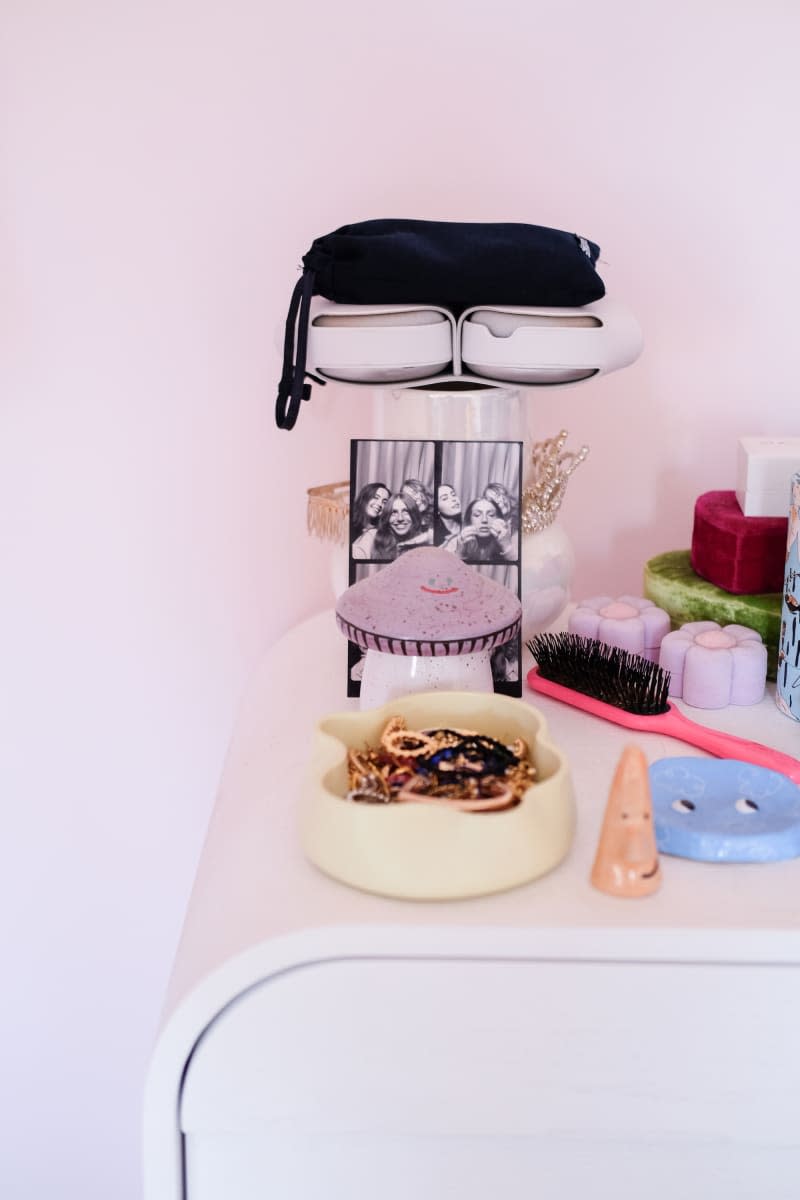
x,y
723,810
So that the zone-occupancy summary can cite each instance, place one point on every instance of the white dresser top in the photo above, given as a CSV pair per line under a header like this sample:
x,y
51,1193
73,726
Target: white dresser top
x,y
255,885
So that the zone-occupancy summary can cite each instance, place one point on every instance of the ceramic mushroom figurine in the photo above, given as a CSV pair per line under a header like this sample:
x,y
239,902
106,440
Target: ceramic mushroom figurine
x,y
427,622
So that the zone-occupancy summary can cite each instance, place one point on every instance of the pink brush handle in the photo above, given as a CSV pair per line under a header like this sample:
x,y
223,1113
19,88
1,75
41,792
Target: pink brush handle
x,y
673,724
725,745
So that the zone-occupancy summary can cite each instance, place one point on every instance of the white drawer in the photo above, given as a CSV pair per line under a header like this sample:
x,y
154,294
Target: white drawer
x,y
390,1078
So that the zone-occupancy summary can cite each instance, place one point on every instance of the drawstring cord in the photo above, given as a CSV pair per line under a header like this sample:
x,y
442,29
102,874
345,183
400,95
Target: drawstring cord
x,y
292,388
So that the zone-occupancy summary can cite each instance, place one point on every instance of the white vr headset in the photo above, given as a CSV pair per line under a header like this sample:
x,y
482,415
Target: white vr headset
x,y
410,344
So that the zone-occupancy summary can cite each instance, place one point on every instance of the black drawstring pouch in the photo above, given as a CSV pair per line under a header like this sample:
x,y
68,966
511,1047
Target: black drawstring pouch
x,y
450,264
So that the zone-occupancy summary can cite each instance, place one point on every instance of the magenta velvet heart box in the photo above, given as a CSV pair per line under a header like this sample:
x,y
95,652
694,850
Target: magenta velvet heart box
x,y
743,555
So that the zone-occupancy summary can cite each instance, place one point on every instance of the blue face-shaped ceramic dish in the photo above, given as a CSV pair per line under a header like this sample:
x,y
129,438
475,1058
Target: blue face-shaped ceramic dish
x,y
723,810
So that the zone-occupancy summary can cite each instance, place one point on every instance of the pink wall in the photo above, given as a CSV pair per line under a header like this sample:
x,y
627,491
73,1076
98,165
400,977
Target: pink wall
x,y
166,165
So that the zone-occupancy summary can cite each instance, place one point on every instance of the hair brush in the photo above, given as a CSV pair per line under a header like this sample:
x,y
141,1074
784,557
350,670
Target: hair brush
x,y
632,691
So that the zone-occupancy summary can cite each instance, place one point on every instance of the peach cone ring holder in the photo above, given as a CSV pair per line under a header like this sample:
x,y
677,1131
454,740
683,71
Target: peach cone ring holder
x,y
626,863
429,851
427,622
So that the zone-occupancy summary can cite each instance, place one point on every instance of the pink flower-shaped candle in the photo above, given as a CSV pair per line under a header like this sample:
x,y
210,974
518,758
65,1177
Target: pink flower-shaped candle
x,y
630,622
712,666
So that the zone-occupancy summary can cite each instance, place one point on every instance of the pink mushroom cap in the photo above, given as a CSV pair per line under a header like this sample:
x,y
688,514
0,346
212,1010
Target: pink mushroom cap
x,y
427,602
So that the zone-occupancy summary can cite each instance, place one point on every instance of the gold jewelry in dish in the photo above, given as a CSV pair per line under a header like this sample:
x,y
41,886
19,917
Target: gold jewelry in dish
x,y
457,768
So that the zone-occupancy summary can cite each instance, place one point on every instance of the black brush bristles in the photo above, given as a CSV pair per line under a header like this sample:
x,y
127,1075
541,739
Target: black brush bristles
x,y
615,676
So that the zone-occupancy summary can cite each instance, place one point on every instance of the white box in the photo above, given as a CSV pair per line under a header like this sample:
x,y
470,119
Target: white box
x,y
765,466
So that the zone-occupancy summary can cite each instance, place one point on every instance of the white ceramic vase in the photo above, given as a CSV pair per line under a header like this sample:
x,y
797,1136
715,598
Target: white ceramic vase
x,y
548,565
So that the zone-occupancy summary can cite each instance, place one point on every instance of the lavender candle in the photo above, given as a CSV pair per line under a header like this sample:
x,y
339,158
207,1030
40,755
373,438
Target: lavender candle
x,y
630,622
712,666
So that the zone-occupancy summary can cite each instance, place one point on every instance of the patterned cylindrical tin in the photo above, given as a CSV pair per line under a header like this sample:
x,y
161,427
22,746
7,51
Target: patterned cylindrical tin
x,y
787,693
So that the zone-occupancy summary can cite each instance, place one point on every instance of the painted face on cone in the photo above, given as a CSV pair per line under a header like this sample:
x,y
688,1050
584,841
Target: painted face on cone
x,y
626,863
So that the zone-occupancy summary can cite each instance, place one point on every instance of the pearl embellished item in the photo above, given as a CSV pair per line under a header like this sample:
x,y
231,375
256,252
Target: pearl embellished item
x,y
548,559
630,622
712,666
551,466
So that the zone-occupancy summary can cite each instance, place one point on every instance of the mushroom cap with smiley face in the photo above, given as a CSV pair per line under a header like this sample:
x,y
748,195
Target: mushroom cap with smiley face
x,y
439,586
428,602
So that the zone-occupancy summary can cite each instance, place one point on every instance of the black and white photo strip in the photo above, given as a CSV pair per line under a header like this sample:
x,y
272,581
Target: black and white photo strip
x,y
462,496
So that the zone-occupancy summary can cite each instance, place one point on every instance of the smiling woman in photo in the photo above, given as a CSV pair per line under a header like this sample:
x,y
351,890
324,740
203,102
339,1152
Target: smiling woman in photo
x,y
367,509
422,497
400,528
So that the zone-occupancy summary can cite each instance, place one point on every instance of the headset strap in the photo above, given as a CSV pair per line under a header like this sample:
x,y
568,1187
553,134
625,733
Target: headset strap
x,y
292,389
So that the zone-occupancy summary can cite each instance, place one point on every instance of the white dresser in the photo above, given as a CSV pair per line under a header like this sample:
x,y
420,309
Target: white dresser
x,y
321,1044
